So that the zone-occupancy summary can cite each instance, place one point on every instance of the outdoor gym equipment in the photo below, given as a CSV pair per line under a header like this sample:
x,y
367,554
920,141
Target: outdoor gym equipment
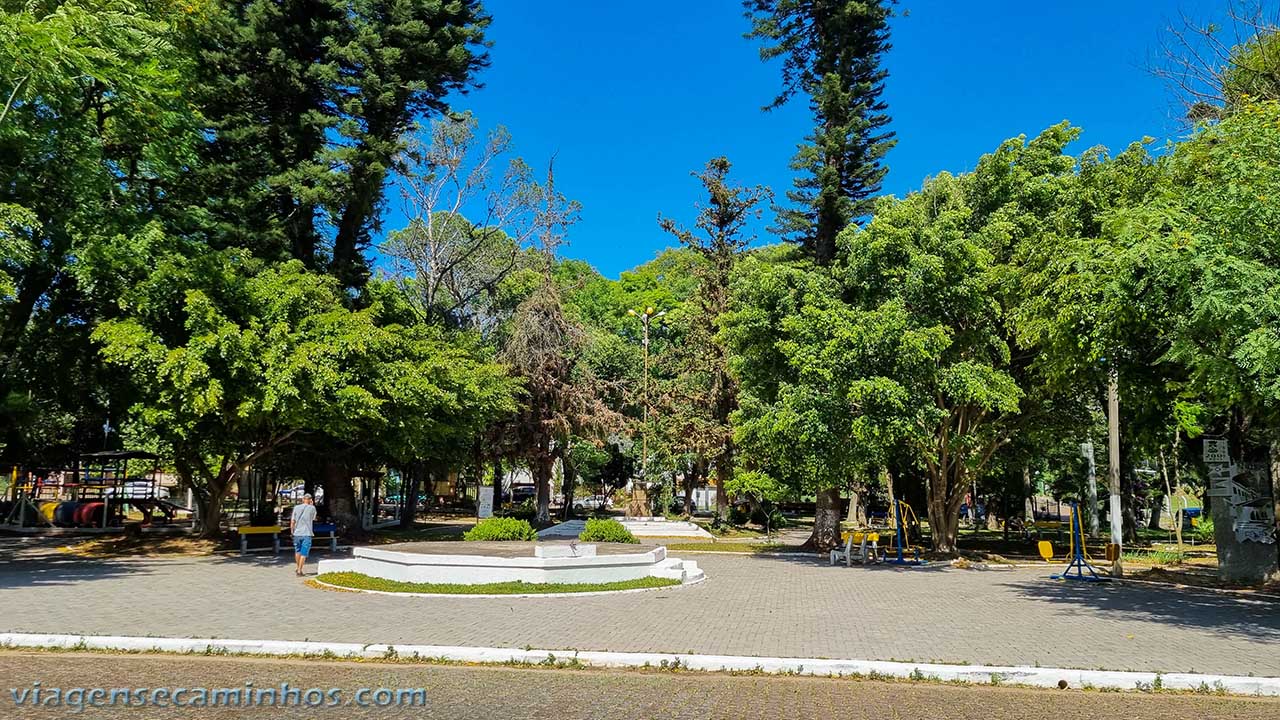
x,y
901,536
867,543
1079,555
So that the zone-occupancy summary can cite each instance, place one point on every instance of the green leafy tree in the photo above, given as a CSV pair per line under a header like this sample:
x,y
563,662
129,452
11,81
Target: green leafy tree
x,y
95,127
234,359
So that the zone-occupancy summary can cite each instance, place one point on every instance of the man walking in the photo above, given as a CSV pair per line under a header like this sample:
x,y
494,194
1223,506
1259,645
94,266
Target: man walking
x,y
301,526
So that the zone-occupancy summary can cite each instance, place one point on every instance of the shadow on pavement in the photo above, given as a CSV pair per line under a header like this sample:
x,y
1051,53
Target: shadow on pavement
x,y
1251,618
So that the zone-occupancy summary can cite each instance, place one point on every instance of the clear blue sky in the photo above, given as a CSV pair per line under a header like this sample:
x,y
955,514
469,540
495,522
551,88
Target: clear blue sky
x,y
631,97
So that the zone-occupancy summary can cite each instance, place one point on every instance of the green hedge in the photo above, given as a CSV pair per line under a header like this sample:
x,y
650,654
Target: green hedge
x,y
603,530
500,528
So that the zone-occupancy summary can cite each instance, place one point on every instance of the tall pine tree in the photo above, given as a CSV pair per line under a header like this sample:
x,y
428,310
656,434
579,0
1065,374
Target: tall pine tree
x,y
308,103
831,51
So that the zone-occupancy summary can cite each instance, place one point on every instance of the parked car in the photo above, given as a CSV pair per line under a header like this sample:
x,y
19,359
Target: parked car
x,y
520,493
591,502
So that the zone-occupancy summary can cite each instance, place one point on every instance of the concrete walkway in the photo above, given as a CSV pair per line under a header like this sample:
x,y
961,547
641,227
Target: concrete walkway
x,y
790,606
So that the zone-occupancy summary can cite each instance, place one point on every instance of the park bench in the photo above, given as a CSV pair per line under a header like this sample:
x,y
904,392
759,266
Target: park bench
x,y
868,543
1043,527
323,531
330,531
246,530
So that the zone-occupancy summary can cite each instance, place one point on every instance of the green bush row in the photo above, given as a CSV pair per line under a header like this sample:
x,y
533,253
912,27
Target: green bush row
x,y
501,528
604,530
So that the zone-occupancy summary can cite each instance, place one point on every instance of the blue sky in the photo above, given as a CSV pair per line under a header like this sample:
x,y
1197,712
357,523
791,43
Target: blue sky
x,y
632,97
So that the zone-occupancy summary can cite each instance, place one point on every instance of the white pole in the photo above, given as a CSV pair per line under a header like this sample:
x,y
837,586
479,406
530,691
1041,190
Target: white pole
x,y
1113,466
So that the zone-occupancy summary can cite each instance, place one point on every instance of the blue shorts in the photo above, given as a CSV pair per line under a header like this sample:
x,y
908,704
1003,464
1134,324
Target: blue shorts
x,y
302,545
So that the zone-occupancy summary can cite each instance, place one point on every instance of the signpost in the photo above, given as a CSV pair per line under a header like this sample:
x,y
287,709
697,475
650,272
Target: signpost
x,y
484,507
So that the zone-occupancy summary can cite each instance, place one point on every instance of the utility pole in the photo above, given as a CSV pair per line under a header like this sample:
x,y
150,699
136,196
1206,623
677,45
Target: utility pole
x,y
1113,466
645,317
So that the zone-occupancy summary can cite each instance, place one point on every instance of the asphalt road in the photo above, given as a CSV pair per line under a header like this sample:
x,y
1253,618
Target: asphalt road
x,y
507,693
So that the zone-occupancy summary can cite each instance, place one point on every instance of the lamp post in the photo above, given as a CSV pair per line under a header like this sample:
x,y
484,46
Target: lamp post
x,y
646,317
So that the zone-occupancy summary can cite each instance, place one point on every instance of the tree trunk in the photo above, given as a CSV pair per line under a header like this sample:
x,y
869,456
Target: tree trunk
x,y
542,471
1274,466
210,500
412,483
340,497
826,521
945,496
211,514
857,509
724,473
497,483
570,480
1028,496
690,480
1153,523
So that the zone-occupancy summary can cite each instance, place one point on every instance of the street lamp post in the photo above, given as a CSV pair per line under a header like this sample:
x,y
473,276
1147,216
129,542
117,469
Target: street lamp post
x,y
645,316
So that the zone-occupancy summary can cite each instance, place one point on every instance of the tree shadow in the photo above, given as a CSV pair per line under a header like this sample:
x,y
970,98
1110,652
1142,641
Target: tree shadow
x,y
1245,617
29,562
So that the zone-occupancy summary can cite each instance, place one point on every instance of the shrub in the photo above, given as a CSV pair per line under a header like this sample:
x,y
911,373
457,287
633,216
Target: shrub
x,y
600,530
500,528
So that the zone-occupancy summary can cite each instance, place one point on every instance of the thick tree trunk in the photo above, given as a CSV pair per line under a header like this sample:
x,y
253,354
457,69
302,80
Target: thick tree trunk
x,y
1153,522
412,482
945,497
211,514
340,496
857,508
724,473
210,502
542,481
691,478
826,521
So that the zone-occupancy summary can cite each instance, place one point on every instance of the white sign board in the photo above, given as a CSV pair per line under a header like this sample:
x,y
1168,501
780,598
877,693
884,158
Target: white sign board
x,y
484,508
1215,451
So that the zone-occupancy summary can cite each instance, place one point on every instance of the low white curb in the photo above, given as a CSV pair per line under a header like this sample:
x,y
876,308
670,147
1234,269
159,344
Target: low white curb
x,y
1012,675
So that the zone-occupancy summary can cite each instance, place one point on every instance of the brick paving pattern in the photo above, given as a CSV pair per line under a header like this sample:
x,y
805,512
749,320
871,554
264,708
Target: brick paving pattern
x,y
791,606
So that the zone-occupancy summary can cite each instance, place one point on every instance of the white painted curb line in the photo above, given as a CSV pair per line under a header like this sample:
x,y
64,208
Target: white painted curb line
x,y
1012,675
496,596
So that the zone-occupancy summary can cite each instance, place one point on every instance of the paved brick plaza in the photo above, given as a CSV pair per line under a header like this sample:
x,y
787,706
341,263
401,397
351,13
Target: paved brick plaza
x,y
793,606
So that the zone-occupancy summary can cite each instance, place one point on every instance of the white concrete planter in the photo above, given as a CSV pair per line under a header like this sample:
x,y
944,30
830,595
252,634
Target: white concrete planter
x,y
547,564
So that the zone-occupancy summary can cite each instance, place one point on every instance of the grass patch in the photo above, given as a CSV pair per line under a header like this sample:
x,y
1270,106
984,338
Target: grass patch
x,y
734,547
357,581
1155,557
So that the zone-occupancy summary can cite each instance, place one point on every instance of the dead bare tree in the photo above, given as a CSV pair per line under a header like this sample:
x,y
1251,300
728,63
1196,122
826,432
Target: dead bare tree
x,y
1212,66
469,219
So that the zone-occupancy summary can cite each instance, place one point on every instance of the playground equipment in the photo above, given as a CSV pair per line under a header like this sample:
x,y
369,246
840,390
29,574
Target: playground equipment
x,y
903,514
1079,555
97,495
